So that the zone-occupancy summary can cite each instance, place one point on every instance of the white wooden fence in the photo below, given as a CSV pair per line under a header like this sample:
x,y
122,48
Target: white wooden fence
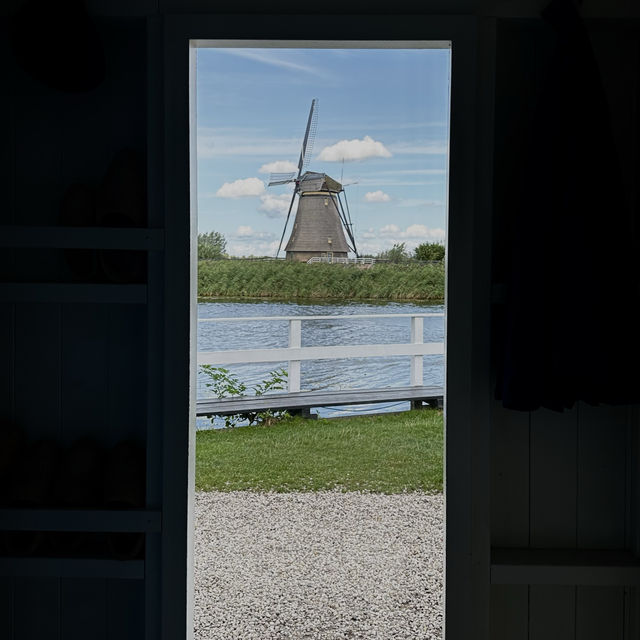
x,y
295,352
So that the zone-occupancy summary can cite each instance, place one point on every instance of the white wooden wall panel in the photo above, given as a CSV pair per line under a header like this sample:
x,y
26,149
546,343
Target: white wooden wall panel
x,y
6,608
36,609
126,364
84,374
594,440
37,369
574,476
602,477
7,135
125,609
6,360
600,613
552,613
553,487
553,491
38,158
83,607
509,612
510,432
601,513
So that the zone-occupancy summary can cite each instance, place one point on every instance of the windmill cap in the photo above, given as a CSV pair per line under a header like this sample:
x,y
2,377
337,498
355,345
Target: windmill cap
x,y
313,181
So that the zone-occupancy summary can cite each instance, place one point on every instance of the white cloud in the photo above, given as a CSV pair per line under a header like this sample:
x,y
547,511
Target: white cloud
x,y
389,229
352,150
406,172
275,206
395,182
377,240
412,232
216,142
277,60
424,148
246,233
247,241
386,126
252,247
376,196
279,166
241,188
418,202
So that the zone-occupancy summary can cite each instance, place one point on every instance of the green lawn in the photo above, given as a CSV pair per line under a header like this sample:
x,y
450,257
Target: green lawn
x,y
383,453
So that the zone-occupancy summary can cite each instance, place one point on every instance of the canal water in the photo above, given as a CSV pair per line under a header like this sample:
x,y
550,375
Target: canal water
x,y
316,375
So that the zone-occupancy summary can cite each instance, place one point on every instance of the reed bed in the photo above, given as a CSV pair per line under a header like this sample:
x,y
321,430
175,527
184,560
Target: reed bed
x,y
280,279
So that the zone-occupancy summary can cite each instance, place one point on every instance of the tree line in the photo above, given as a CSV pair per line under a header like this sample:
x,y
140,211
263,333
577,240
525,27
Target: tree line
x,y
213,246
425,252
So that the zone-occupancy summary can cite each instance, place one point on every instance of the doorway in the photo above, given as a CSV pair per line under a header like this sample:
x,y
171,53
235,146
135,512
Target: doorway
x,y
461,419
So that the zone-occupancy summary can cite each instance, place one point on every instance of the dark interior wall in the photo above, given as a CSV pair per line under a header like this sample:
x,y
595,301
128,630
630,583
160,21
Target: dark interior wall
x,y
560,482
53,139
72,346
74,361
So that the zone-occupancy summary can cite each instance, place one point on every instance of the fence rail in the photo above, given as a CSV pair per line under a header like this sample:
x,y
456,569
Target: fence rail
x,y
295,353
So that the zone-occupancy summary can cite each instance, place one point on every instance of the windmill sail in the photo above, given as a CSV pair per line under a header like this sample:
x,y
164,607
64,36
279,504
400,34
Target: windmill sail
x,y
309,137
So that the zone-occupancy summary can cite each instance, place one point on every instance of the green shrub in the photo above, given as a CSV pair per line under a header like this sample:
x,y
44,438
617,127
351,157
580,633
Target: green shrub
x,y
211,246
429,251
225,384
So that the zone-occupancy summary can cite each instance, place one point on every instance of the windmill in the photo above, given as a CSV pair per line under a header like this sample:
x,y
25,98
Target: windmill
x,y
321,219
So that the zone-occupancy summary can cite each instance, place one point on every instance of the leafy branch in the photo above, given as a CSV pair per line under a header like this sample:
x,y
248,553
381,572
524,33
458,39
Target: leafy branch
x,y
225,384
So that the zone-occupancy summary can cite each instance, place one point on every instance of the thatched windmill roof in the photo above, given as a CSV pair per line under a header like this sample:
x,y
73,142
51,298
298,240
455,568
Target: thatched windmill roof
x,y
314,181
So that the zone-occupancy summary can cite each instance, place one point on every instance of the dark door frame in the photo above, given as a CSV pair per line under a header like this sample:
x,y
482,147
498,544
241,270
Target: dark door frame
x,y
467,294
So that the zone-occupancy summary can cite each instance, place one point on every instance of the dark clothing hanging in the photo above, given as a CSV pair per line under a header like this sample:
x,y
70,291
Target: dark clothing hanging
x,y
571,321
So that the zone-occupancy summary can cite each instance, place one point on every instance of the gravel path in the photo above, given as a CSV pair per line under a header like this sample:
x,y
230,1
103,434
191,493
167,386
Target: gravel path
x,y
323,566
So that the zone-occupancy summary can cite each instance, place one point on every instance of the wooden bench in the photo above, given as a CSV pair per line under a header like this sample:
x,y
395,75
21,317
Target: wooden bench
x,y
305,400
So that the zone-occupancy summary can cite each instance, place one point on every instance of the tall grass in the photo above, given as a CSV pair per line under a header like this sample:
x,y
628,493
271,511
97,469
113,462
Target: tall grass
x,y
280,279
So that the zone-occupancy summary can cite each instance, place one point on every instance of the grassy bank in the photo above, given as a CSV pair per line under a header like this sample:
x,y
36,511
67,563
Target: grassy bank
x,y
384,453
280,279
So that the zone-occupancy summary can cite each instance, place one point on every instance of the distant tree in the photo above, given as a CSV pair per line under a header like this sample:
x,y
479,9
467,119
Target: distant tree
x,y
211,246
398,253
429,251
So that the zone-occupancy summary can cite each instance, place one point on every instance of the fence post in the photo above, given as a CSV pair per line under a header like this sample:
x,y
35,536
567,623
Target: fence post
x,y
295,341
416,361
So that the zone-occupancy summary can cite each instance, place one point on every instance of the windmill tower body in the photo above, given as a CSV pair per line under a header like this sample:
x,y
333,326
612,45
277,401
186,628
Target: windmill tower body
x,y
317,227
320,220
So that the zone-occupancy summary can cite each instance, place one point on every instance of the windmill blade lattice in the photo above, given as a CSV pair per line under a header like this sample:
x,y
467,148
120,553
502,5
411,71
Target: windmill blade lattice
x,y
309,138
281,178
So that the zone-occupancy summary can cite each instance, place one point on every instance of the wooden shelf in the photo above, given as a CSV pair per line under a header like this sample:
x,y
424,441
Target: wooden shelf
x,y
104,521
72,292
584,567
72,568
81,238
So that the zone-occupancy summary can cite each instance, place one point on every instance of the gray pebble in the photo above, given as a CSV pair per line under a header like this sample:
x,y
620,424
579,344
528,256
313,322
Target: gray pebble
x,y
326,565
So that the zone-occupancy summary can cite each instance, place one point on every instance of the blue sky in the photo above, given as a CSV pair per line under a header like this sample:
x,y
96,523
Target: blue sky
x,y
385,112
